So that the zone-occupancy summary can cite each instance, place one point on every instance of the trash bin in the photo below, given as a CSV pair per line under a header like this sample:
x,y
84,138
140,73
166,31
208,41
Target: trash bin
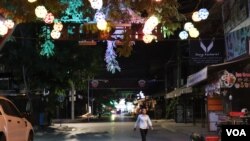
x,y
212,138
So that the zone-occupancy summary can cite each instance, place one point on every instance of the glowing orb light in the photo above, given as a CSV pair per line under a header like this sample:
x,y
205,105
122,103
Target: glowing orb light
x,y
148,38
49,18
31,1
58,26
55,34
9,23
3,29
183,35
99,16
203,13
102,25
188,26
150,24
196,17
96,4
41,11
194,33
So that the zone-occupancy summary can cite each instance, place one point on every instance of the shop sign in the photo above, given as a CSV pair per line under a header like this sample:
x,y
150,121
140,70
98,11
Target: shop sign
x,y
212,88
197,77
236,80
206,52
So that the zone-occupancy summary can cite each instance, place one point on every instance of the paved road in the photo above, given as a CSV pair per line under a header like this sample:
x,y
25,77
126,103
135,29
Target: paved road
x,y
105,131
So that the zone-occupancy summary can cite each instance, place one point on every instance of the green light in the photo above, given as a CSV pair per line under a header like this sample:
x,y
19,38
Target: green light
x,y
47,48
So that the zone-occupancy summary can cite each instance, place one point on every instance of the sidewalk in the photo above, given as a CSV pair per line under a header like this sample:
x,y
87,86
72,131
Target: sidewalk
x,y
185,128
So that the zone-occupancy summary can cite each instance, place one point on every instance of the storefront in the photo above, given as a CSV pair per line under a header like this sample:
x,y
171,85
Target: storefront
x,y
226,88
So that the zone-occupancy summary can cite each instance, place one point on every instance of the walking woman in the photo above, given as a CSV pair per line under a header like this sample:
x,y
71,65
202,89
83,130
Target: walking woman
x,y
144,123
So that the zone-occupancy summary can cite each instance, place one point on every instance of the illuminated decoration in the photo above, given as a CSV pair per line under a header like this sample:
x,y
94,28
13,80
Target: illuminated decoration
x,y
102,24
55,34
196,17
110,57
140,95
47,48
49,18
148,38
9,23
141,83
183,35
94,83
41,11
99,16
188,26
194,33
158,0
96,4
150,24
3,29
31,1
58,26
73,12
203,13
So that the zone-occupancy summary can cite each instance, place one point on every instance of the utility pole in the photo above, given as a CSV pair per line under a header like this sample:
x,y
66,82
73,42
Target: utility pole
x,y
72,92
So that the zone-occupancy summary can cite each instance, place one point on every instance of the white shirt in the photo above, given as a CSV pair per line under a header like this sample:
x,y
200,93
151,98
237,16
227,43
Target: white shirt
x,y
143,122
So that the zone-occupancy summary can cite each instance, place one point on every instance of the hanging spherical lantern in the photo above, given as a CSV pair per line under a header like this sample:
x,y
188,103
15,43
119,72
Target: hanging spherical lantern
x,y
9,23
96,4
148,38
203,13
41,11
188,26
102,25
55,34
3,29
194,33
183,35
196,17
94,83
58,26
31,1
141,83
49,18
99,16
150,24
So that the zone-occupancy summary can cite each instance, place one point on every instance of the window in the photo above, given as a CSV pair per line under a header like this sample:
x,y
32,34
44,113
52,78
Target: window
x,y
9,108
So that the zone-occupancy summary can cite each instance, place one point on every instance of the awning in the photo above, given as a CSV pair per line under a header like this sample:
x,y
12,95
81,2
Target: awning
x,y
203,74
178,92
